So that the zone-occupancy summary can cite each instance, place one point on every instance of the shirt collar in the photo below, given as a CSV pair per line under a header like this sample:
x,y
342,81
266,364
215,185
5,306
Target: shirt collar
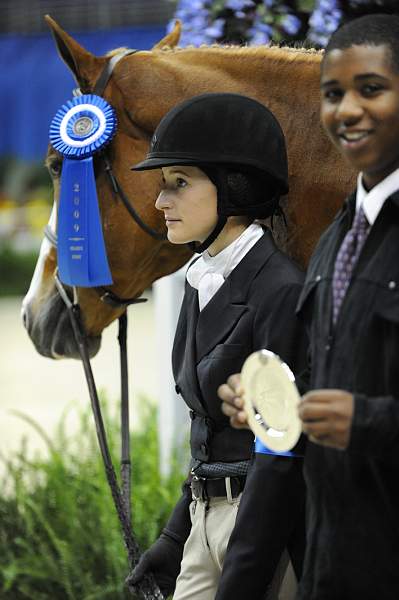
x,y
373,201
227,259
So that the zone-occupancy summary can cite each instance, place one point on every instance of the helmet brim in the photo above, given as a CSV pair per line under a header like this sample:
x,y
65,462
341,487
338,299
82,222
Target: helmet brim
x,y
157,163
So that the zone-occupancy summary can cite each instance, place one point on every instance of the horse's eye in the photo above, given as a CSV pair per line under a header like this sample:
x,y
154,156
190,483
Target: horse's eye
x,y
55,167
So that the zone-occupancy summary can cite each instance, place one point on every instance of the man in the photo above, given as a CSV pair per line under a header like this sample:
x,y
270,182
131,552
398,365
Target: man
x,y
350,302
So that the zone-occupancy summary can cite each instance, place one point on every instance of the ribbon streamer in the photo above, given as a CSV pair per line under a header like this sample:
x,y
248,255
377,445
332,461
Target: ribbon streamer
x,y
82,127
260,448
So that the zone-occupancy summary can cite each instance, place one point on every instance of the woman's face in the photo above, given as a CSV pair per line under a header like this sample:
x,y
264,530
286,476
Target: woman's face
x,y
360,108
189,202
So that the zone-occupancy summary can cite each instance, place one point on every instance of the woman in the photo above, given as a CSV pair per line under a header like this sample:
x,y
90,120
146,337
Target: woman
x,y
224,164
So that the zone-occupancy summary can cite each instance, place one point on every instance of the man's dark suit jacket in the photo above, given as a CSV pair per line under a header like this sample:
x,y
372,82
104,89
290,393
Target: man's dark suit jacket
x,y
353,495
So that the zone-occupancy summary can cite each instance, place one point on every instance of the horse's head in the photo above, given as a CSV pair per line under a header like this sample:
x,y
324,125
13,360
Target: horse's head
x,y
136,258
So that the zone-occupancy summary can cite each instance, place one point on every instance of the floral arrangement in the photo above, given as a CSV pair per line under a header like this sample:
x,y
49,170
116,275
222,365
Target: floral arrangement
x,y
257,21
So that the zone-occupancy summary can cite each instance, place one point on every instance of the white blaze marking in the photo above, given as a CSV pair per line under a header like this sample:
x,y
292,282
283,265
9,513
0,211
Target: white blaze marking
x,y
39,269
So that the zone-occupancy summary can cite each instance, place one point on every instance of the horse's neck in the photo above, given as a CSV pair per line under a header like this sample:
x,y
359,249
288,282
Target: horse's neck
x,y
254,66
284,79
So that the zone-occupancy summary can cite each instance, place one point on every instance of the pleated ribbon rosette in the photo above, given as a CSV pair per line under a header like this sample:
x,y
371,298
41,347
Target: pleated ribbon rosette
x,y
82,127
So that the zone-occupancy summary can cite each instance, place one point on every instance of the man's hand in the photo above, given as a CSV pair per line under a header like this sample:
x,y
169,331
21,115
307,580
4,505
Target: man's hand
x,y
233,404
327,416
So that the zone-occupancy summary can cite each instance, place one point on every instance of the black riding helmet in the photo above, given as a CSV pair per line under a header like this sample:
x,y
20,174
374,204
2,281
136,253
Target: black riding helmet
x,y
237,142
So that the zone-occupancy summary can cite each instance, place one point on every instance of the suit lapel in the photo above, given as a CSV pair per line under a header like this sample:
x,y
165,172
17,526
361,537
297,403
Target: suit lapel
x,y
224,310
184,351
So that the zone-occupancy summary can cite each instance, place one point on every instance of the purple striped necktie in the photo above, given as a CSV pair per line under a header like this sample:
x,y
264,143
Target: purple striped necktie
x,y
346,260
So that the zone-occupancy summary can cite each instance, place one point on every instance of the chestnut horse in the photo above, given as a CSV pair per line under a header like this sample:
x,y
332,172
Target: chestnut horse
x,y
142,88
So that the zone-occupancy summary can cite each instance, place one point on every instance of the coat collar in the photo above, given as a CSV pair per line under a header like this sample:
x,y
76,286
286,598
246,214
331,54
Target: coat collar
x,y
228,304
349,206
322,263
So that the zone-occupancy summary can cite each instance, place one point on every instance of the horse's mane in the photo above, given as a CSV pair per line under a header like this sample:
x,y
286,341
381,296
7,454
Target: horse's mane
x,y
280,51
255,50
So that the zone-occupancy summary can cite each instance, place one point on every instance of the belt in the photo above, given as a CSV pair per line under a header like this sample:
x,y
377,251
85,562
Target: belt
x,y
203,489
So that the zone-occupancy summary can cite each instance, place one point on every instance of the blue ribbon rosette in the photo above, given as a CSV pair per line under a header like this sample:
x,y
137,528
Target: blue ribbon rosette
x,y
81,127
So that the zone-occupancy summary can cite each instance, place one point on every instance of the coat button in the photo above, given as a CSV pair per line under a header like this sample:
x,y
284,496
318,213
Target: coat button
x,y
392,285
327,347
204,449
177,389
318,277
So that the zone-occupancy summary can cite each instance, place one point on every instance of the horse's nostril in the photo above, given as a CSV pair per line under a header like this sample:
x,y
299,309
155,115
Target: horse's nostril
x,y
25,319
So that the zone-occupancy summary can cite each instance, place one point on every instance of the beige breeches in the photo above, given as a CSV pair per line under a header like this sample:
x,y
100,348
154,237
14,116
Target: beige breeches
x,y
205,550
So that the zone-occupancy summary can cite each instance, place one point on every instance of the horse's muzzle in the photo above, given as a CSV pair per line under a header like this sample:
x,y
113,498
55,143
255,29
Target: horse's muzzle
x,y
50,330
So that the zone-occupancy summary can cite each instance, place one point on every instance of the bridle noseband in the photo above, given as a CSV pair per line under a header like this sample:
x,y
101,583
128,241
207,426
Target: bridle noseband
x,y
147,589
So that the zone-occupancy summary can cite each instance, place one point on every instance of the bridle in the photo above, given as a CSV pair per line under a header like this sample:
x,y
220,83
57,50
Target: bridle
x,y
147,589
106,295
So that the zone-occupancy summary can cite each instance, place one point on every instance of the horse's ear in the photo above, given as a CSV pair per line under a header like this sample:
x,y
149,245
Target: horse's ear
x,y
172,39
84,65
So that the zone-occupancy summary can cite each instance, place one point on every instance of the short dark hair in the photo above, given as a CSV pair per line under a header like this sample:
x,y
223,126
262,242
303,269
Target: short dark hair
x,y
369,30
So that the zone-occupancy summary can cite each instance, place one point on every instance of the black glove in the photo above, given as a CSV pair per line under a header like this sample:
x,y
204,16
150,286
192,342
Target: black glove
x,y
163,559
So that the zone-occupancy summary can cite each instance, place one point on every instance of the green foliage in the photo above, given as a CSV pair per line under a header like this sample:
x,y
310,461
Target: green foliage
x,y
16,270
59,534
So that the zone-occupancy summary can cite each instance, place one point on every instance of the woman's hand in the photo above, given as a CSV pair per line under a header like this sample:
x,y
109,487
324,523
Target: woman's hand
x,y
327,416
233,404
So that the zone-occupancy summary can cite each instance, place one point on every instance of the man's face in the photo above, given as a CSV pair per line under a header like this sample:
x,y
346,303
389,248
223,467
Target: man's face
x,y
360,109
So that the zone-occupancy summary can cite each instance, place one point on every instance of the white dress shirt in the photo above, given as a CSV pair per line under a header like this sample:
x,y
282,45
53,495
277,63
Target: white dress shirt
x,y
374,200
207,274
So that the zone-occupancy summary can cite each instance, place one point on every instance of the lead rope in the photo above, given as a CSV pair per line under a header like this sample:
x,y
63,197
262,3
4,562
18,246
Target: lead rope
x,y
147,589
126,468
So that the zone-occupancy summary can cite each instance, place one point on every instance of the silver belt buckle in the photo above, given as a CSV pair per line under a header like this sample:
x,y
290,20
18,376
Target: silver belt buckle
x,y
197,487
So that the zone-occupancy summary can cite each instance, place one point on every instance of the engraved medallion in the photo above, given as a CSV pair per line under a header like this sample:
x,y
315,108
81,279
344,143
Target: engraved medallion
x,y
271,400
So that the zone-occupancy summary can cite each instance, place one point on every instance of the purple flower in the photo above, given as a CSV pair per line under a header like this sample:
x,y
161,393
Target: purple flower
x,y
260,33
215,30
195,18
262,27
258,38
291,24
324,21
192,39
203,24
238,4
192,5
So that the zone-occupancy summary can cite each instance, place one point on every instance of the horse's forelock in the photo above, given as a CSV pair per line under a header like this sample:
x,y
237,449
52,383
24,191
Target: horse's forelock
x,y
115,51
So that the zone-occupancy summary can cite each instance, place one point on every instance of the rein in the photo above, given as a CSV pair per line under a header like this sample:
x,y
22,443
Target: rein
x,y
147,589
